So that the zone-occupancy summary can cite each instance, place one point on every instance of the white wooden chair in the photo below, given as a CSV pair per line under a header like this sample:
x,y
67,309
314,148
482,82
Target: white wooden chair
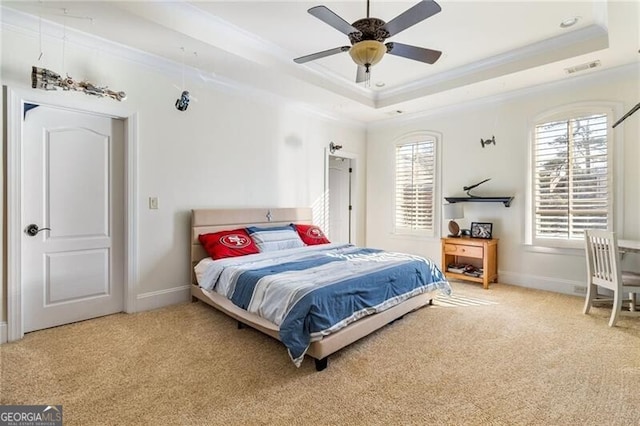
x,y
603,270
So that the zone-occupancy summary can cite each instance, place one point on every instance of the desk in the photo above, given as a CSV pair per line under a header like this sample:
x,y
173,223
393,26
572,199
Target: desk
x,y
629,245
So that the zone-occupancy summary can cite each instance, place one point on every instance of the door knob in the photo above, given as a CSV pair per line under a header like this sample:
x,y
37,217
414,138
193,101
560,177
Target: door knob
x,y
32,230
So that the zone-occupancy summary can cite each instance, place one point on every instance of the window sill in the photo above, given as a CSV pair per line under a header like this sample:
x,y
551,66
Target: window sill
x,y
410,236
563,251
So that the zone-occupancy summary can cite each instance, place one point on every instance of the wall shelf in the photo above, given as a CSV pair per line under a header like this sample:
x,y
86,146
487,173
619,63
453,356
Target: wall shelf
x,y
505,200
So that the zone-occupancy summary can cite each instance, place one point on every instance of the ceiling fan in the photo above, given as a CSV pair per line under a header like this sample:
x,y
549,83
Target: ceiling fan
x,y
367,36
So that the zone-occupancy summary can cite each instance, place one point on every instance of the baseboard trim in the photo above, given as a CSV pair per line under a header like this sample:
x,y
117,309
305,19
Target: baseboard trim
x,y
161,298
3,332
556,285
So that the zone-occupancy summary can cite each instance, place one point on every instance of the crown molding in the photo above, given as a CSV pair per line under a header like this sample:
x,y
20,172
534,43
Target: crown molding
x,y
610,74
581,41
30,26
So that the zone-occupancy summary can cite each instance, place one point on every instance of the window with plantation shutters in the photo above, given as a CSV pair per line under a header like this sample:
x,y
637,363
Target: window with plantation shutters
x,y
571,177
415,186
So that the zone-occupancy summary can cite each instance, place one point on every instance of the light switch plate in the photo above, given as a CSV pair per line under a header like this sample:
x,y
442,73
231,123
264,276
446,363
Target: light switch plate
x,y
153,203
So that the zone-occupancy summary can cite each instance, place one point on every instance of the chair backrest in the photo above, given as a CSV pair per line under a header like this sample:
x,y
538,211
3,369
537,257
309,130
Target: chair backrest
x,y
603,259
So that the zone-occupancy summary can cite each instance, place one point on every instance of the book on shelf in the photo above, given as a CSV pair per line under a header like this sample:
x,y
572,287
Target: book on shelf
x,y
473,271
466,269
458,268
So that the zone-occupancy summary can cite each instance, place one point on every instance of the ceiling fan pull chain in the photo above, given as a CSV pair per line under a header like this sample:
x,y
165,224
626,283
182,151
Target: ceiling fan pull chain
x,y
367,76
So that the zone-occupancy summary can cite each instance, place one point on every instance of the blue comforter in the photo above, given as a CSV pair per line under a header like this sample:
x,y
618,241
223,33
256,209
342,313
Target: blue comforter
x,y
313,291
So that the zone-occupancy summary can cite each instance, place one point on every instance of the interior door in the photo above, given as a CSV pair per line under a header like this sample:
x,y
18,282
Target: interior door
x,y
339,199
72,216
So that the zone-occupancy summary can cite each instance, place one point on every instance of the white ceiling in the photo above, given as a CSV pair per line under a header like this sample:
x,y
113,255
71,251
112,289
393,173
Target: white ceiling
x,y
488,47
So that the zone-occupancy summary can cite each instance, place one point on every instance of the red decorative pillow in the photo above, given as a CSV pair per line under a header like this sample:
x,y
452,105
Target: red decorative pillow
x,y
311,235
228,243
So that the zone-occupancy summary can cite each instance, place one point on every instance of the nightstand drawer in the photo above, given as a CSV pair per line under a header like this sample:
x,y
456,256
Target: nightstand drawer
x,y
460,250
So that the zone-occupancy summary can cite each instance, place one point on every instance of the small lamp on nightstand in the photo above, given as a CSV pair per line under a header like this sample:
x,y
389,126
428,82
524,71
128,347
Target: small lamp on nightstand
x,y
453,211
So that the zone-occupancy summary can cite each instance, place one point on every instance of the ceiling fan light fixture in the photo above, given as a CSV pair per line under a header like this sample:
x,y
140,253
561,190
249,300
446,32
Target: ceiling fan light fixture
x,y
367,37
367,52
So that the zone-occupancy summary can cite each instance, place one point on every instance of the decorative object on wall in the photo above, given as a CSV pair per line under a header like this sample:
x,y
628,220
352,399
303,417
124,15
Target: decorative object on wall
x,y
484,142
367,36
481,230
333,147
624,117
470,187
182,103
505,200
452,212
42,78
475,198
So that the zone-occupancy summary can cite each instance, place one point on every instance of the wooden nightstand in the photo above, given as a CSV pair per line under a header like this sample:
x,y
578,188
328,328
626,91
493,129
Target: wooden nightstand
x,y
475,251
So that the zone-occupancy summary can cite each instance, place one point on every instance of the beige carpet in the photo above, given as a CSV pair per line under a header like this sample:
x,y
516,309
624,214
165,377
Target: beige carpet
x,y
530,358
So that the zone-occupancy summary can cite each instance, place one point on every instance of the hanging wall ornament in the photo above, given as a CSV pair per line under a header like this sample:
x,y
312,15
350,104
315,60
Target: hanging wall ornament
x,y
182,103
42,78
485,142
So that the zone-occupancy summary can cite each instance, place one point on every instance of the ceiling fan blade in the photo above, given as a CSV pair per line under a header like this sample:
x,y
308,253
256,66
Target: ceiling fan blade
x,y
361,74
412,16
327,16
412,52
318,55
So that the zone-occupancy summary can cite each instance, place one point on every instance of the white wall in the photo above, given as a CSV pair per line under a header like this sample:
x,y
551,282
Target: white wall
x,y
465,162
231,148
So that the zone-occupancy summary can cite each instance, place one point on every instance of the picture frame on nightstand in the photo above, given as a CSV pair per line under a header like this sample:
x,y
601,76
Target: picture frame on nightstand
x,y
482,230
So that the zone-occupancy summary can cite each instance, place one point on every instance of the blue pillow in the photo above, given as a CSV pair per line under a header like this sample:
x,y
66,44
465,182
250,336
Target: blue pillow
x,y
275,238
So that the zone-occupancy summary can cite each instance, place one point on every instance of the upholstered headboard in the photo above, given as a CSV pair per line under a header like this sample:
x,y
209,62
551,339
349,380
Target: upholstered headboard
x,y
212,220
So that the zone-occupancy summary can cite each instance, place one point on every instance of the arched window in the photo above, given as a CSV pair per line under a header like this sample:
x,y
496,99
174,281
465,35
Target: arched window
x,y
415,185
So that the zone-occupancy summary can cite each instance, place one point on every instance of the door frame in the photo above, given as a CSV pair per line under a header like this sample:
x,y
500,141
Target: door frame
x,y
15,99
354,189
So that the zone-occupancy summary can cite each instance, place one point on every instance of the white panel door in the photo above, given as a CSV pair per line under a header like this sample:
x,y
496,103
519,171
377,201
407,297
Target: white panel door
x,y
73,184
339,200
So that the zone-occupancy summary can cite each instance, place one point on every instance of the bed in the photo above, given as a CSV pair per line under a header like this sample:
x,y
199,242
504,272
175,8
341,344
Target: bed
x,y
323,343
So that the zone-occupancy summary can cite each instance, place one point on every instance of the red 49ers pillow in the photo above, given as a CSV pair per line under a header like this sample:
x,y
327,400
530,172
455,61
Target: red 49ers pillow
x,y
228,243
311,235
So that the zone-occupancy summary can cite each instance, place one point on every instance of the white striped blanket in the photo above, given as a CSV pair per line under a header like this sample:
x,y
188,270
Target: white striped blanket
x,y
312,291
